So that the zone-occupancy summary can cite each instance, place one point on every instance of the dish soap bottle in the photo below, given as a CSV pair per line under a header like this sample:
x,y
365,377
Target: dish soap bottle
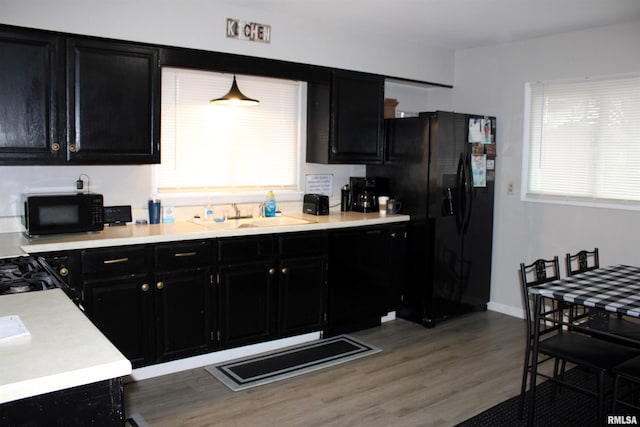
x,y
270,205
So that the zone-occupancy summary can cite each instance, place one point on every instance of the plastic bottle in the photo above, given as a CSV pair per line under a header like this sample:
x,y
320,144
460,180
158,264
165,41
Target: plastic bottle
x,y
270,205
208,213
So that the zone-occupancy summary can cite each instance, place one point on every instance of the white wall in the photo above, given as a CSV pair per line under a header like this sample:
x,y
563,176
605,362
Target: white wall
x,y
414,98
200,24
491,81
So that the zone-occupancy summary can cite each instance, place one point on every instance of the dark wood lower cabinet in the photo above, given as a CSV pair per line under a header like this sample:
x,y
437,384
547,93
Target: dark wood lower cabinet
x,y
96,404
151,319
302,287
167,301
154,302
271,287
302,283
247,295
122,307
183,305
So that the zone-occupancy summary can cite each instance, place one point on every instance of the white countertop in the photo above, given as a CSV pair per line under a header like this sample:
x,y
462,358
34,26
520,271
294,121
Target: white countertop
x,y
15,244
65,349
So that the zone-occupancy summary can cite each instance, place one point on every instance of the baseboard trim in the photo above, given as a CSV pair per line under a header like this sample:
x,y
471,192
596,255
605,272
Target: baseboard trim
x,y
506,309
216,357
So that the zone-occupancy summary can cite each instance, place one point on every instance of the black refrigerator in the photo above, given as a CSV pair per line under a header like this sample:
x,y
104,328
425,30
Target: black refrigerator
x,y
441,166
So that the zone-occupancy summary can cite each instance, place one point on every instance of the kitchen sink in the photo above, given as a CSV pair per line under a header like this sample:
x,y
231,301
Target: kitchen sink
x,y
278,220
253,222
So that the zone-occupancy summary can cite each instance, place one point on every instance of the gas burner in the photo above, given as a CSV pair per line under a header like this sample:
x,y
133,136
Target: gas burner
x,y
7,269
26,274
18,288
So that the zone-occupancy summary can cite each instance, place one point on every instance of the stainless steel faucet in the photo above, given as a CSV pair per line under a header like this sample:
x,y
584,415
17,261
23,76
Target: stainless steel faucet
x,y
238,215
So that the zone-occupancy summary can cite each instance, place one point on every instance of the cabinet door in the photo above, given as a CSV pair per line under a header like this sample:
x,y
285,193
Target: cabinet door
x,y
182,311
344,119
247,304
406,141
122,308
302,285
357,118
114,110
29,107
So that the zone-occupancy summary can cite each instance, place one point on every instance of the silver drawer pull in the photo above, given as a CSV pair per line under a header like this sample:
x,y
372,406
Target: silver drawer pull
x,y
115,261
185,254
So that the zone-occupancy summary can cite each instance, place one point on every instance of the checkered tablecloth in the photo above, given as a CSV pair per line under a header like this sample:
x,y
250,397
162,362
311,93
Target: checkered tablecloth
x,y
615,289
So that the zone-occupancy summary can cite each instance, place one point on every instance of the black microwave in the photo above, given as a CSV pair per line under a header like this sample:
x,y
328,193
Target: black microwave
x,y
62,213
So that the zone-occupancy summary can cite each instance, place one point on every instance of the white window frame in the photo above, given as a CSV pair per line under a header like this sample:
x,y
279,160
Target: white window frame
x,y
528,196
223,196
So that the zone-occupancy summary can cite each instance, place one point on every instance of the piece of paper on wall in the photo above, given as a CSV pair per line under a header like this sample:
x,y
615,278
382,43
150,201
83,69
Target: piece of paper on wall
x,y
479,169
319,184
479,130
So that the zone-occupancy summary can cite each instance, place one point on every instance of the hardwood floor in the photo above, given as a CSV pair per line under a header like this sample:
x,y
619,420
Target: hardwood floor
x,y
423,377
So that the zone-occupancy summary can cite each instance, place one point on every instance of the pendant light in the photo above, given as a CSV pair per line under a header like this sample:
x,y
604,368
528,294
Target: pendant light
x,y
235,97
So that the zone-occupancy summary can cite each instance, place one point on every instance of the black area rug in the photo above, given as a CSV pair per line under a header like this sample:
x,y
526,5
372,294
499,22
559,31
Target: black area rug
x,y
564,408
273,366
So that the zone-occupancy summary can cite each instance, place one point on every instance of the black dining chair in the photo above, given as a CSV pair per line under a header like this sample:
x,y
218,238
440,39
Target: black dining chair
x,y
580,262
597,319
563,344
629,372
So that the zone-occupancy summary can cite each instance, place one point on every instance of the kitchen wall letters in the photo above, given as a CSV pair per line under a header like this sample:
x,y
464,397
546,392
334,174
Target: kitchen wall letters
x,y
251,31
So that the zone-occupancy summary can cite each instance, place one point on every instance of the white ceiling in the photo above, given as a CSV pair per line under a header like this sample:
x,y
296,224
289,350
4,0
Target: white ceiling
x,y
456,24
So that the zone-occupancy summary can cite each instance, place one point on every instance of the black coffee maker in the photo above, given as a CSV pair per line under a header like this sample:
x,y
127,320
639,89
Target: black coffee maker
x,y
364,193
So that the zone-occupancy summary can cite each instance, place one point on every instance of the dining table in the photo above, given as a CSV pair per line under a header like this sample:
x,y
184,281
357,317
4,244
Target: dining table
x,y
615,289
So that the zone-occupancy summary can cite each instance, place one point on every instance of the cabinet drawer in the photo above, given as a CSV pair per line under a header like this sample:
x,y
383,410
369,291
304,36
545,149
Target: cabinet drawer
x,y
246,249
303,244
182,255
120,260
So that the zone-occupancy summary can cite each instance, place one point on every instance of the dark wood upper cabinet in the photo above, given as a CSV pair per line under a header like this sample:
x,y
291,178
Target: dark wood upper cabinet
x,y
72,99
30,106
345,119
77,100
114,105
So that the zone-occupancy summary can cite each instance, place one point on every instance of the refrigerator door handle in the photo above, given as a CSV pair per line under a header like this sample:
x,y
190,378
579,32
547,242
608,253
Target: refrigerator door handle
x,y
468,194
460,184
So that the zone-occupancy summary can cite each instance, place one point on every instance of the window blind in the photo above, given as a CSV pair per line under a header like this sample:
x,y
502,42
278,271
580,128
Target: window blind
x,y
209,147
584,139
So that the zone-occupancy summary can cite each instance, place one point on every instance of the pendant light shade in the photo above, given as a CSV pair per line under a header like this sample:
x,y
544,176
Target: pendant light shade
x,y
235,97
